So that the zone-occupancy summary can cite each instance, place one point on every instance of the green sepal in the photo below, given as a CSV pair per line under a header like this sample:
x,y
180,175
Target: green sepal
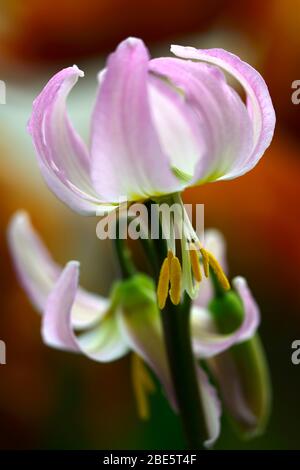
x,y
134,291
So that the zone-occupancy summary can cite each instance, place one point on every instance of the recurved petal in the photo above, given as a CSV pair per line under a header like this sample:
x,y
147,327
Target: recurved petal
x,y
38,273
127,158
36,269
62,155
102,343
211,406
259,104
207,342
223,120
56,323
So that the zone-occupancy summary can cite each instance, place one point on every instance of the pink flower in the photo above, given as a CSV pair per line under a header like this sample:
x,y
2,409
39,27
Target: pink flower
x,y
158,126
105,329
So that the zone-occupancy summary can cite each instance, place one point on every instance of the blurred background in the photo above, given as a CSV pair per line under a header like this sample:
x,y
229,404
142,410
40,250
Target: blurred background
x,y
54,400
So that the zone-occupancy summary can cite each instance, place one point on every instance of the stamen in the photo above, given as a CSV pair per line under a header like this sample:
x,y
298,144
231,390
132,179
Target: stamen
x,y
170,257
163,283
194,257
219,272
175,280
205,259
142,385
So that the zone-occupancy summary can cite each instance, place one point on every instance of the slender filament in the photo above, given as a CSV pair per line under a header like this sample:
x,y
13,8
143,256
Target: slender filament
x,y
194,256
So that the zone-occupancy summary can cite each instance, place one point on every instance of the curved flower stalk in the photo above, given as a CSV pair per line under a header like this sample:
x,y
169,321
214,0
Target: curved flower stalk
x,y
158,127
107,329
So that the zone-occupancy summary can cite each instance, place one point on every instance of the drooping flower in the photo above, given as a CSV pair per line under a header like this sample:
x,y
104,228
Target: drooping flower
x,y
241,370
154,121
105,329
158,127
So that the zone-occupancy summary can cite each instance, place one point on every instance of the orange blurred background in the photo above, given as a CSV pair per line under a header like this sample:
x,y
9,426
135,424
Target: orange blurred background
x,y
53,400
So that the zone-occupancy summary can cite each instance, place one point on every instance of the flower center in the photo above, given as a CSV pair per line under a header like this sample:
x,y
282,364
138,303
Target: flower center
x,y
178,276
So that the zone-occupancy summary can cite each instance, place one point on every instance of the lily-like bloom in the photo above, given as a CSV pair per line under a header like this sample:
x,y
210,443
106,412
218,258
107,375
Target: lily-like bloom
x,y
158,127
107,329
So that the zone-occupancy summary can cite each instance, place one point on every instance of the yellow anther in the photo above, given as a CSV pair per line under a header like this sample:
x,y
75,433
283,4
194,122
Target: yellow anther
x,y
194,257
163,284
175,280
142,385
219,272
170,275
205,258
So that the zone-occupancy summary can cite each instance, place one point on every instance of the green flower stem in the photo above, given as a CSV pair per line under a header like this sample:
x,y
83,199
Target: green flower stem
x,y
124,256
177,335
176,327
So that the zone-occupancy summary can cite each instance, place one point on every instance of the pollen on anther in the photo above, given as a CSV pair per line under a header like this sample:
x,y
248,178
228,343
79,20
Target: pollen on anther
x,y
163,284
205,259
219,272
175,281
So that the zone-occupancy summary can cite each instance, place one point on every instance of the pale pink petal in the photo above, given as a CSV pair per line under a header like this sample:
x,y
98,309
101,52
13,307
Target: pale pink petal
x,y
56,322
103,342
177,127
38,273
62,155
211,407
127,158
207,341
259,103
223,121
36,269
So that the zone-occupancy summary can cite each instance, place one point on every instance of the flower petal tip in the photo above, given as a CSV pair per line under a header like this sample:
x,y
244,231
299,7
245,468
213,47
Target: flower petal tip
x,y
132,41
79,72
239,281
19,225
74,265
18,218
